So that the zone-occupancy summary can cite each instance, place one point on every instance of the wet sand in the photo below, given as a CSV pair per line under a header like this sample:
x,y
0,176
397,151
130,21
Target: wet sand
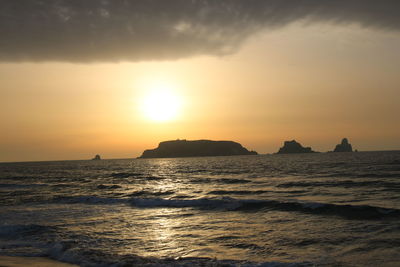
x,y
6,261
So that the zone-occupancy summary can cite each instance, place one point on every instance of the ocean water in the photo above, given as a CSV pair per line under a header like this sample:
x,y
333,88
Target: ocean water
x,y
328,209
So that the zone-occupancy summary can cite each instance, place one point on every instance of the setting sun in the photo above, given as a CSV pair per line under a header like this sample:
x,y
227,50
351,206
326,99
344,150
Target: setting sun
x,y
160,103
199,133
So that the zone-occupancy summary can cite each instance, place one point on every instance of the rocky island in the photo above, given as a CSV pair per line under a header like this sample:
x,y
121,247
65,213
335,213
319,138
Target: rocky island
x,y
290,147
196,148
345,146
97,157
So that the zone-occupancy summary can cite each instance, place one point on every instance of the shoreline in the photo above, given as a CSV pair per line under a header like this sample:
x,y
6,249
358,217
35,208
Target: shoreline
x,y
17,261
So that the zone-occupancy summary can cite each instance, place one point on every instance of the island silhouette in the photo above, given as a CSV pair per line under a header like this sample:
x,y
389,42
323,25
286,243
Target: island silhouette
x,y
290,147
196,148
345,146
97,157
202,148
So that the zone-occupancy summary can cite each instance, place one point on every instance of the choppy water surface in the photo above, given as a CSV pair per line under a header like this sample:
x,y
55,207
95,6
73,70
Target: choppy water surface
x,y
310,209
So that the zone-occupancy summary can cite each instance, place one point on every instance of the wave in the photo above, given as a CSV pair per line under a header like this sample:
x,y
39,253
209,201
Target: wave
x,y
220,181
135,175
345,183
378,175
361,212
206,203
152,178
103,186
232,204
23,230
18,186
254,192
230,172
87,200
192,171
394,162
92,257
73,252
226,203
238,192
125,174
17,178
151,193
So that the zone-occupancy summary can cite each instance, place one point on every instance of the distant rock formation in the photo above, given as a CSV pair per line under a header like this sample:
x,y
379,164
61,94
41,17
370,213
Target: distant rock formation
x,y
345,146
97,157
196,148
290,147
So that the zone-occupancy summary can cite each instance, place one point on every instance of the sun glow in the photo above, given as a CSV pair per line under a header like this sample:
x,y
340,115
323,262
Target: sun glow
x,y
160,103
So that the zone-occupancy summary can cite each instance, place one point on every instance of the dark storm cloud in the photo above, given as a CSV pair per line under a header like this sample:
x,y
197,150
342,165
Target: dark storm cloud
x,y
115,30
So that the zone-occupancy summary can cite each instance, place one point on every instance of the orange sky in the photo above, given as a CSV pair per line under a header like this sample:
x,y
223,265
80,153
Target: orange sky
x,y
315,83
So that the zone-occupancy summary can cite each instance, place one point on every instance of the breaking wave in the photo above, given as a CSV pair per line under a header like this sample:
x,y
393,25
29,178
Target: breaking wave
x,y
233,204
65,252
347,211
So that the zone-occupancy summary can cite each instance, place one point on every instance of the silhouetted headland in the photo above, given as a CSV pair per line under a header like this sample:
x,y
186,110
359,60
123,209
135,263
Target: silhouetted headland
x,y
290,147
97,157
196,148
345,146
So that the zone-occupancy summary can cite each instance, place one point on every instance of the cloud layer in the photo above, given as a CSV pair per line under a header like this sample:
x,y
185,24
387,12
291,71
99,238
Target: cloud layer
x,y
123,30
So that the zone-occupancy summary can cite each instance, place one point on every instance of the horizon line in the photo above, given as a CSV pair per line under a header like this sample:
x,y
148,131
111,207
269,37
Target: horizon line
x,y
264,154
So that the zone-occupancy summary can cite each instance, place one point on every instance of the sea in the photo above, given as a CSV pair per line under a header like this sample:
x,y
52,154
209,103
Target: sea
x,y
320,209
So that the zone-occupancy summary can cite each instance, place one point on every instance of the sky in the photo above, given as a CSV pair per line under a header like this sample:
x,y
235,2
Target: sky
x,y
80,78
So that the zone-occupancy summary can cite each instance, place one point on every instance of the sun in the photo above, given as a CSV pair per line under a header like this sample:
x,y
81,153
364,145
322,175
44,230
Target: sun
x,y
160,103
